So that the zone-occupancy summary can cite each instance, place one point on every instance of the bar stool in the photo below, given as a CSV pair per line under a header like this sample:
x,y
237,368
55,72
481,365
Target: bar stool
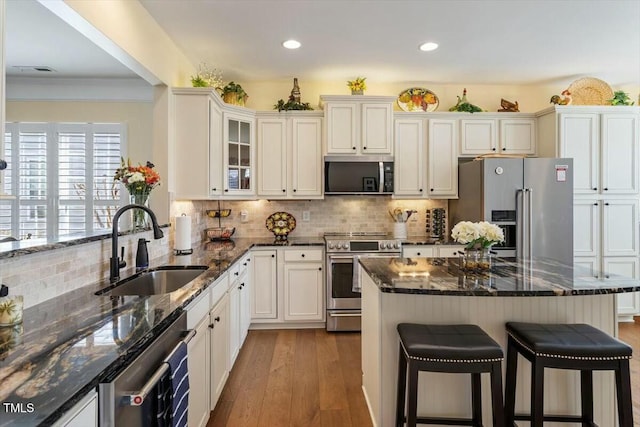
x,y
452,349
566,346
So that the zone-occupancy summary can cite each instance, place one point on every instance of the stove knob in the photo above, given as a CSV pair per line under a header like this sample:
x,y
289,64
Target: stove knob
x,y
330,245
384,246
340,245
396,245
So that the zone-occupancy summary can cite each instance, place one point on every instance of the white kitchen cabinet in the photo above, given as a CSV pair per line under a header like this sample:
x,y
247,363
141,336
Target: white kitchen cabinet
x,y
289,156
442,169
238,154
234,323
357,125
478,136
430,251
264,301
603,143
198,143
409,161
198,365
219,350
303,291
607,228
245,298
481,135
239,306
628,303
82,414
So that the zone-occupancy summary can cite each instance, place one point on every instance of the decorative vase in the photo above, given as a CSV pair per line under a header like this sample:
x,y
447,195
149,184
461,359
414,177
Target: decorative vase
x,y
400,230
139,219
357,92
476,259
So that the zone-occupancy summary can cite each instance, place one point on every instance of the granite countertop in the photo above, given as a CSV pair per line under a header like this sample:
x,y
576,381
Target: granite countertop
x,y
442,276
67,345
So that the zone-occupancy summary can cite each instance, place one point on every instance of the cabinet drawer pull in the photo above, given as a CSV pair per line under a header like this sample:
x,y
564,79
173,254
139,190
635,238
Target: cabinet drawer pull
x,y
504,149
236,273
302,255
217,319
211,326
214,189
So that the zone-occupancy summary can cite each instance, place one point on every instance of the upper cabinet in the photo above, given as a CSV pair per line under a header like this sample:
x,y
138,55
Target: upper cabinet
x,y
238,154
198,143
289,155
356,125
603,141
509,135
434,175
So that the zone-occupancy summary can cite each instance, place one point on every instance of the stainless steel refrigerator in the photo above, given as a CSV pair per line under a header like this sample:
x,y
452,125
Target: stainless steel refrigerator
x,y
531,199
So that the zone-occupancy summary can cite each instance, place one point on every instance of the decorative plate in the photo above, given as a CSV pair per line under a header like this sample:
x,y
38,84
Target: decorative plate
x,y
281,224
418,99
590,91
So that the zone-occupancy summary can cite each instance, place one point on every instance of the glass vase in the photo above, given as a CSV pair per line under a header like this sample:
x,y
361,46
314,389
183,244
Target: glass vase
x,y
476,260
139,218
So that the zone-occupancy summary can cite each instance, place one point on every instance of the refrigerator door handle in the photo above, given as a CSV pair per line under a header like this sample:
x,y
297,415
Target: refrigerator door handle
x,y
520,222
530,223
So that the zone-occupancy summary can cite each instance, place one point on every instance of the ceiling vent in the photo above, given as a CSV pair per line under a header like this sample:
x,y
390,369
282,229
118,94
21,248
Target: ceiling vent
x,y
32,68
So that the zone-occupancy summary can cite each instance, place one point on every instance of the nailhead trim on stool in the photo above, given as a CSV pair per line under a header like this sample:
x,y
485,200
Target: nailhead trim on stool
x,y
447,348
566,346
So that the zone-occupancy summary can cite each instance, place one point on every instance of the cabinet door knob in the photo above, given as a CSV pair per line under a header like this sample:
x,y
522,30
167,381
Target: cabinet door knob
x,y
421,190
418,253
595,188
214,189
605,189
595,204
302,255
493,149
217,319
504,149
273,256
431,189
284,191
606,276
353,148
211,326
364,148
319,268
236,273
606,204
226,189
248,259
244,263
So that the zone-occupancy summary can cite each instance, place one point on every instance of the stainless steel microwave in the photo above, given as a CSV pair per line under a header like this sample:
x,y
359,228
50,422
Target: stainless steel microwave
x,y
358,175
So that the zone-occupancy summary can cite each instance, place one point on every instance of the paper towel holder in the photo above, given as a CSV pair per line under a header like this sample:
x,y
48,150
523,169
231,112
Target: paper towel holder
x,y
183,251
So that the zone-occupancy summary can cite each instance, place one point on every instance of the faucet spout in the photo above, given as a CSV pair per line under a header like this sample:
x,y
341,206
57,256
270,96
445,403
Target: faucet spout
x,y
116,262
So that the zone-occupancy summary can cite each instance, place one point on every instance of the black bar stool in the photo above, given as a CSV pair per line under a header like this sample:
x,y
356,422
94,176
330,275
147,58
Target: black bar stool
x,y
574,346
447,348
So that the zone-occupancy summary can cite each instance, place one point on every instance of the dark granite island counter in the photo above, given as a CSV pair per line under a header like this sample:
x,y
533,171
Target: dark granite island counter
x,y
420,290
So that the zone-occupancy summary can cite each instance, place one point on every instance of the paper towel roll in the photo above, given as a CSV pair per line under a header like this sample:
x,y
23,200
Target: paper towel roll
x,y
183,233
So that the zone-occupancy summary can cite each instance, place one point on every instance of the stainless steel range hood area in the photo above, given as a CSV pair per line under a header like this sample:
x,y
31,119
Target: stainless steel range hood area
x,y
370,175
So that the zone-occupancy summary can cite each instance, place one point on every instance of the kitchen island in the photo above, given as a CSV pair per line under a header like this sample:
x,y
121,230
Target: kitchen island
x,y
435,290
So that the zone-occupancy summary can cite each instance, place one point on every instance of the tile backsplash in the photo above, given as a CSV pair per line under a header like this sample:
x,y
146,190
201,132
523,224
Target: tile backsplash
x,y
333,214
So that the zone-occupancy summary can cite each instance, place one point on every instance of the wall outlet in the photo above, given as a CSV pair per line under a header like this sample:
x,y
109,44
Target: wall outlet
x,y
306,216
244,216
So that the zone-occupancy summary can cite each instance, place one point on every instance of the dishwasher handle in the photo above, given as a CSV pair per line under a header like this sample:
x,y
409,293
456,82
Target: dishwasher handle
x,y
136,398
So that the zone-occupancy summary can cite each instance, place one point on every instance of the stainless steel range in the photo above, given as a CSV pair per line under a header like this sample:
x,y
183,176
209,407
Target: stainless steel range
x,y
343,282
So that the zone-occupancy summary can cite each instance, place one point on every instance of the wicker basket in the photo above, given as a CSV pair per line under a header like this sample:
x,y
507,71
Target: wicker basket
x,y
590,91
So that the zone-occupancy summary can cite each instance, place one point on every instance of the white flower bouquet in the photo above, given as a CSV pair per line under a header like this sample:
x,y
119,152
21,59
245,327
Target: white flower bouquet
x,y
477,235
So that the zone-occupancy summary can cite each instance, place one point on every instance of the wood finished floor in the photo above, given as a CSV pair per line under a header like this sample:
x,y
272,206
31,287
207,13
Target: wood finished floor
x,y
310,378
300,378
630,333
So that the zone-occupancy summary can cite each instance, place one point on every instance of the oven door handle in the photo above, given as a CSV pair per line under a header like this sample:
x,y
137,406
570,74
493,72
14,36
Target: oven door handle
x,y
136,398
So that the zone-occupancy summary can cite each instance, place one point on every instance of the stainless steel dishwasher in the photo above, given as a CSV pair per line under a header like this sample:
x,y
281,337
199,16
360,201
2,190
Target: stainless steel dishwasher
x,y
122,399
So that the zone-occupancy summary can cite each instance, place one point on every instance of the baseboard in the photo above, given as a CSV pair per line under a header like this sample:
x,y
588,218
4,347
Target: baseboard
x,y
366,399
301,325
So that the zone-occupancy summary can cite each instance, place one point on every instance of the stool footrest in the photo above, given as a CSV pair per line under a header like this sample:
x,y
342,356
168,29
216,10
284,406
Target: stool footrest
x,y
554,418
445,421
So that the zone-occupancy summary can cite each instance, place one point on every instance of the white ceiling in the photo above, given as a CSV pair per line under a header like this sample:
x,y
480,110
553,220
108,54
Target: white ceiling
x,y
481,41
36,37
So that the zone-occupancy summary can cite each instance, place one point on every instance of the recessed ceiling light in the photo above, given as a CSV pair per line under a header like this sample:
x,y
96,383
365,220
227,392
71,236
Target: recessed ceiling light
x,y
291,44
429,46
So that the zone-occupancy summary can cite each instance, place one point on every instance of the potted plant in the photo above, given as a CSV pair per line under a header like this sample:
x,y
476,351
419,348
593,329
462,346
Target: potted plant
x,y
620,98
233,93
357,86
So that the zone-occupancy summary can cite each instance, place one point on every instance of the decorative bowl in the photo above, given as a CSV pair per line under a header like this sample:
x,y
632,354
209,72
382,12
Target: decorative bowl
x,y
220,233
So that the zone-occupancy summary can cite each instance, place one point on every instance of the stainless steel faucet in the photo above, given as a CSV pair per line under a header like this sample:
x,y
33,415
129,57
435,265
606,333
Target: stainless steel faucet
x,y
118,262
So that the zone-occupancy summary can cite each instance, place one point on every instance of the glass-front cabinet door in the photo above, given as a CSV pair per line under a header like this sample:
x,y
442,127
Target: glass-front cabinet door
x,y
238,155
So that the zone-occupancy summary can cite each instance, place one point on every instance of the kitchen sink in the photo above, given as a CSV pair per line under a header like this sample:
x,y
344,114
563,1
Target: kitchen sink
x,y
156,281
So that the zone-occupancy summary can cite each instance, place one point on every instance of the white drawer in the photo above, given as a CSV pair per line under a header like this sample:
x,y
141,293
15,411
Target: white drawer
x,y
218,289
417,252
291,255
449,251
234,272
197,309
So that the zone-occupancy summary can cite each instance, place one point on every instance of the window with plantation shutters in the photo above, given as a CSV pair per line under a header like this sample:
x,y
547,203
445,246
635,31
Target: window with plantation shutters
x,y
61,175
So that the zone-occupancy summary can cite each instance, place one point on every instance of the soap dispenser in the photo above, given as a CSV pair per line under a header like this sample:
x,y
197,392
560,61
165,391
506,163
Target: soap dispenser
x,y
142,255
